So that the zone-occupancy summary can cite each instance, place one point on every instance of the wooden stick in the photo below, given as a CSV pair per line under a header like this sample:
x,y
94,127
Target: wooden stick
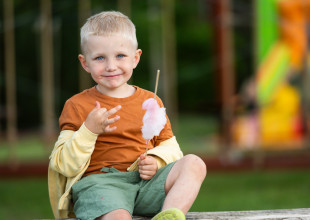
x,y
147,147
156,85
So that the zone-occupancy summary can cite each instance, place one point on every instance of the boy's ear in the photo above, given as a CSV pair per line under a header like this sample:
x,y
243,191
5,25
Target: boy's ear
x,y
137,57
83,62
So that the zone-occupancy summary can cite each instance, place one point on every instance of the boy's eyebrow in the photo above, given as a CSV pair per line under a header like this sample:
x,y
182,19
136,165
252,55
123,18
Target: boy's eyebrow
x,y
122,51
96,54
102,53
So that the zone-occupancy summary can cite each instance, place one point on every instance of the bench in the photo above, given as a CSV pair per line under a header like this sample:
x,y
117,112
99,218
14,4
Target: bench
x,y
278,214
292,214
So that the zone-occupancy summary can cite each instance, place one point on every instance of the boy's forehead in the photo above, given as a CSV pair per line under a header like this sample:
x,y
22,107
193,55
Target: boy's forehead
x,y
103,42
111,39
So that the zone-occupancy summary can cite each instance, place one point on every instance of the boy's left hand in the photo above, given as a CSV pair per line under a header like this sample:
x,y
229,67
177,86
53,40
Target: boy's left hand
x,y
147,167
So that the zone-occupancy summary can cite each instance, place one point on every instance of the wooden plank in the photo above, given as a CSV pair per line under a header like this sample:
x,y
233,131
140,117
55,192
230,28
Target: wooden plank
x,y
262,214
169,56
47,72
225,68
10,75
279,214
84,12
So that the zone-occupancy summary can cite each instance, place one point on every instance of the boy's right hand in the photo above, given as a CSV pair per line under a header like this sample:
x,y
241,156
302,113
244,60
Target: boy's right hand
x,y
98,120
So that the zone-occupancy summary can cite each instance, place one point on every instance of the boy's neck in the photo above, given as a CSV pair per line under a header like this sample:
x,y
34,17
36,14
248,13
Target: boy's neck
x,y
123,92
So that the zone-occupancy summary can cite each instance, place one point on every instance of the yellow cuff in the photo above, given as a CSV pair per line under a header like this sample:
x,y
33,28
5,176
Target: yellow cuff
x,y
160,162
135,167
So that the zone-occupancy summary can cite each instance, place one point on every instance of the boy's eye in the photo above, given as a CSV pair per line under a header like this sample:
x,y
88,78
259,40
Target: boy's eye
x,y
120,56
99,58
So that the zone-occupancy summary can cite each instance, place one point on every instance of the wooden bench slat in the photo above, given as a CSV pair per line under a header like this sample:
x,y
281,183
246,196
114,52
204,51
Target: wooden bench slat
x,y
278,214
261,214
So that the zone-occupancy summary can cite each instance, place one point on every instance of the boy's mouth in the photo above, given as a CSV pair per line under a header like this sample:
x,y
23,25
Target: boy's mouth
x,y
111,76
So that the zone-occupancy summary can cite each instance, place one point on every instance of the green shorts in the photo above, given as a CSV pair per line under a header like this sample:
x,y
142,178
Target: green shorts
x,y
98,194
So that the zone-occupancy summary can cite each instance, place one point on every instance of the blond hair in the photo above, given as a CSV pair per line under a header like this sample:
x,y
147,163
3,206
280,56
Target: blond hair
x,y
106,24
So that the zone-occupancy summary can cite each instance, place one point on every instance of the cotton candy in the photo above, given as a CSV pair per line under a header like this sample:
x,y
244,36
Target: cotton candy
x,y
154,119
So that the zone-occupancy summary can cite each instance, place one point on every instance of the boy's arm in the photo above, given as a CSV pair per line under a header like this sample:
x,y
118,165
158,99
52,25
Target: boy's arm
x,y
72,151
166,152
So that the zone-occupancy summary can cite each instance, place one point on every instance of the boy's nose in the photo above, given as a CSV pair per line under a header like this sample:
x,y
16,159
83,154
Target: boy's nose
x,y
111,66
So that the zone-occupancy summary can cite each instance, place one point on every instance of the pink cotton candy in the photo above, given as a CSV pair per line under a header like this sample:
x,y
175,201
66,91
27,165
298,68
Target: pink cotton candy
x,y
154,119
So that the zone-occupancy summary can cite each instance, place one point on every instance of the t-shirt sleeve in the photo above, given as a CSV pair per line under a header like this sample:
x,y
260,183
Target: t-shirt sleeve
x,y
70,119
166,133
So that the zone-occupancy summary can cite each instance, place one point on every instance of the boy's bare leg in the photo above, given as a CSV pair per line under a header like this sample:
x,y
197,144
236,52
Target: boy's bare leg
x,y
183,183
116,215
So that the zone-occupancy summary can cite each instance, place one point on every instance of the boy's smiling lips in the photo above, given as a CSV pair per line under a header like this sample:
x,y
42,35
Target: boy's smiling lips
x,y
111,76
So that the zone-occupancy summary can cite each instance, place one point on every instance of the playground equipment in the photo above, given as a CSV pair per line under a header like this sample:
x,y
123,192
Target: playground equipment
x,y
281,50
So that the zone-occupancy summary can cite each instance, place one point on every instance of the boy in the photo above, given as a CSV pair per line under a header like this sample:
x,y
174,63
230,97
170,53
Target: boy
x,y
98,169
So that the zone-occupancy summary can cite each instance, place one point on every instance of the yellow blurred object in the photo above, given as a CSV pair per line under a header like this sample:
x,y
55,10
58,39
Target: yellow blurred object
x,y
279,119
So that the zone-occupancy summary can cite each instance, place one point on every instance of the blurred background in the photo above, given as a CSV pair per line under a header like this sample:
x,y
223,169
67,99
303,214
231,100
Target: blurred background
x,y
234,79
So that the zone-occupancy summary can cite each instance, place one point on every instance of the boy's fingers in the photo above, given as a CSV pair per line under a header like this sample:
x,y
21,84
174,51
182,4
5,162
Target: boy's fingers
x,y
148,167
103,110
148,160
142,157
112,111
97,106
145,177
112,120
109,129
146,172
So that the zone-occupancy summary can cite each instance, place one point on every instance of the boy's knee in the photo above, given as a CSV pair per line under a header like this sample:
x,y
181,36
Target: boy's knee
x,y
195,164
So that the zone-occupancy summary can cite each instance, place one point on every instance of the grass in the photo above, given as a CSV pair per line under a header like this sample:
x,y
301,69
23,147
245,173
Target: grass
x,y
195,134
24,199
259,190
251,190
27,148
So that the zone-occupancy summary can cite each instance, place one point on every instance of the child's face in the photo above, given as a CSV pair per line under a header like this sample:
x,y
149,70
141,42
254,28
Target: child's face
x,y
110,60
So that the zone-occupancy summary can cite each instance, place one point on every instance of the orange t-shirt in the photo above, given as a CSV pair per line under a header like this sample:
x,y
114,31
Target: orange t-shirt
x,y
120,148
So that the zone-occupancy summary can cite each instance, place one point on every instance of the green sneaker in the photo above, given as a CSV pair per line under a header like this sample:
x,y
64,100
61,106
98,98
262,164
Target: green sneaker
x,y
170,214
